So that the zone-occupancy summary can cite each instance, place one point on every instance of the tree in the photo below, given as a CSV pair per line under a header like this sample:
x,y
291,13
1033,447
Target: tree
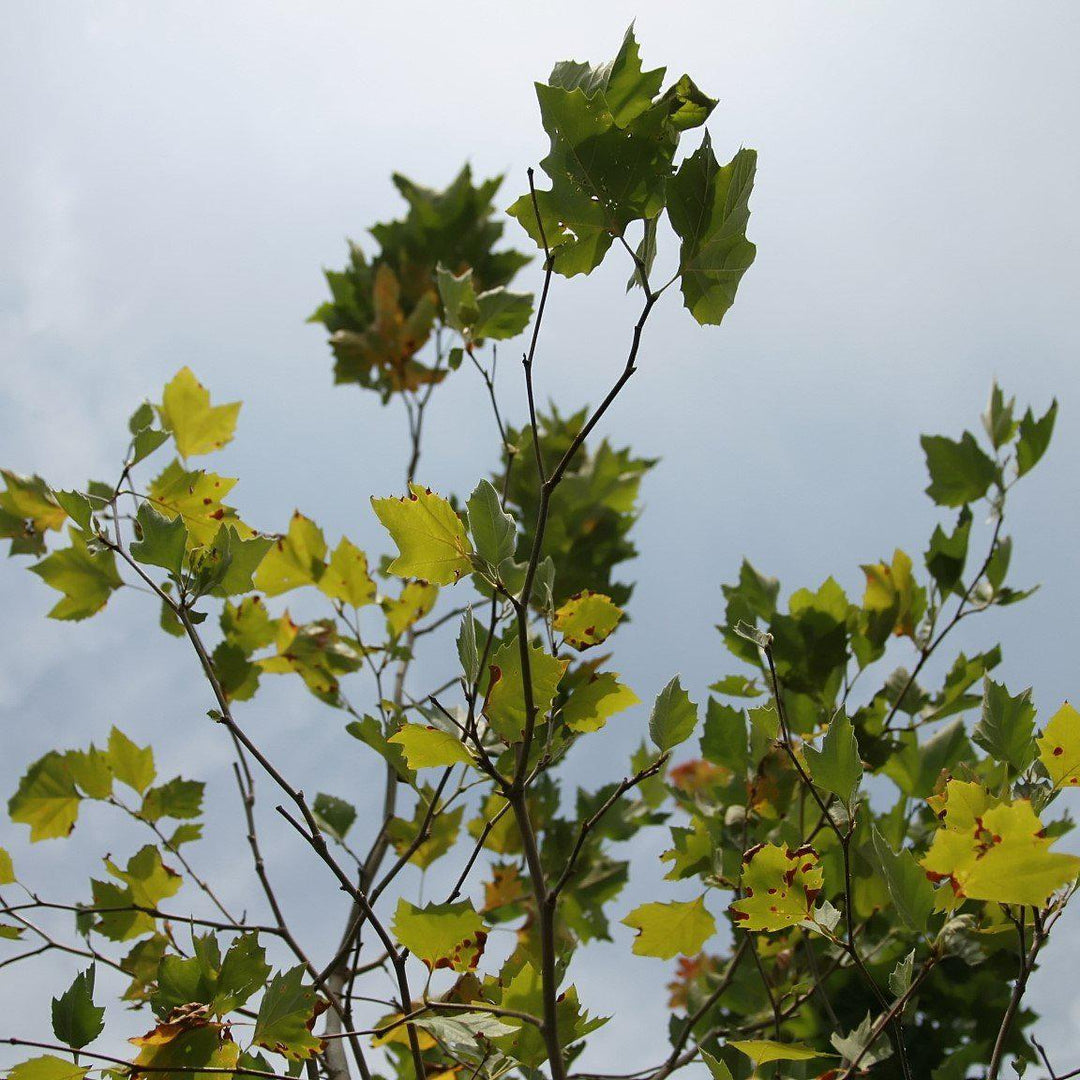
x,y
869,879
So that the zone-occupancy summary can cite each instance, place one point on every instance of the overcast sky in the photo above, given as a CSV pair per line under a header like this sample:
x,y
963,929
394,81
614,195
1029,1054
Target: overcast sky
x,y
175,175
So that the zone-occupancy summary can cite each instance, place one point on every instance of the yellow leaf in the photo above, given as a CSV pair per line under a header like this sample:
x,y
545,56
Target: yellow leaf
x,y
1059,747
431,538
760,1051
587,619
591,704
196,497
416,600
347,578
998,853
197,426
779,886
294,560
426,747
667,929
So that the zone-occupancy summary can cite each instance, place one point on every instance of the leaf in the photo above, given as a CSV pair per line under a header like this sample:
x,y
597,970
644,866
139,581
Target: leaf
x,y
1034,438
76,1020
131,764
666,929
429,747
502,314
86,578
248,625
960,472
243,974
164,540
716,1067
430,537
196,497
28,509
294,560
416,600
998,419
900,976
780,887
7,869
1006,726
334,814
673,718
587,619
1059,747
225,567
178,798
468,646
911,894
894,602
493,530
836,767
178,1049
347,578
46,799
442,935
724,739
947,554
78,507
708,207
504,706
1000,853
762,1051
286,1015
197,426
48,1067
916,767
855,1046
592,704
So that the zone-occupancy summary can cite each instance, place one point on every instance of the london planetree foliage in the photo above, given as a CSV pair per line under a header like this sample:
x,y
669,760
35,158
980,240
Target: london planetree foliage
x,y
863,858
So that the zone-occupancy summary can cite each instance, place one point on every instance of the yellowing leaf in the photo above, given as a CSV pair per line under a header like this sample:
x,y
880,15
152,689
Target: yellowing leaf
x,y
7,870
28,509
196,497
131,764
295,559
893,600
287,1014
591,704
587,619
182,1045
779,887
431,538
46,799
1059,747
416,600
347,578
667,929
48,1067
86,578
998,854
427,747
760,1051
197,426
505,704
442,935
394,1030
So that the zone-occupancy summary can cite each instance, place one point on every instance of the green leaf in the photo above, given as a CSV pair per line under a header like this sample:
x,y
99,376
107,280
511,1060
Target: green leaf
x,y
666,929
86,578
1034,438
78,507
163,542
244,972
724,739
916,767
762,1051
960,472
293,560
179,798
431,539
90,771
911,894
709,208
458,296
1006,728
28,509
717,1069
131,764
48,1067
226,567
468,646
46,799
197,426
780,887
592,704
673,718
7,869
76,1020
146,442
504,706
900,976
855,1046
998,419
493,530
947,554
502,314
836,767
442,935
286,1013
429,747
334,814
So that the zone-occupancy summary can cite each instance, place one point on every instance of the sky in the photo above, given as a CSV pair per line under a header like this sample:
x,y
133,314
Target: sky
x,y
175,176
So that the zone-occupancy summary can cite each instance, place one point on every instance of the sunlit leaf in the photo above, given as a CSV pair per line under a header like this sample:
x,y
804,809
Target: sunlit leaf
x,y
197,426
442,935
1059,747
431,538
780,887
666,929
587,619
